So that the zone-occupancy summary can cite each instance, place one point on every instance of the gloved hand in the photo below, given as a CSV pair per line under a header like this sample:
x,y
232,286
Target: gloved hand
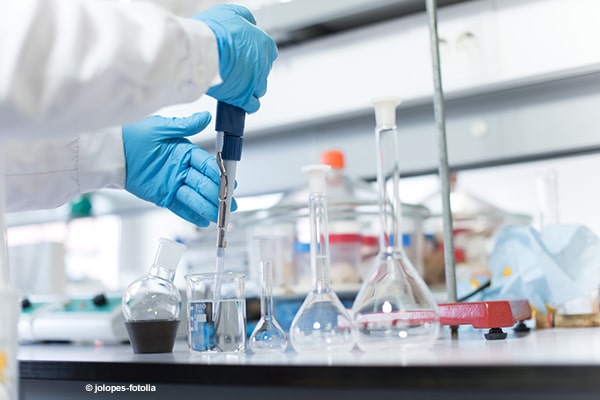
x,y
246,54
165,168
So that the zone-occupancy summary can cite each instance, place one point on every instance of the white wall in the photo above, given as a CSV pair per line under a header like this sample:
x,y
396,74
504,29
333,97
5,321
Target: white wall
x,y
521,77
513,188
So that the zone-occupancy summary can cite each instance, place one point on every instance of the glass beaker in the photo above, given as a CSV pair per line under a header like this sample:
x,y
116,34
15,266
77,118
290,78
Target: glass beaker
x,y
268,336
216,321
322,324
9,368
394,309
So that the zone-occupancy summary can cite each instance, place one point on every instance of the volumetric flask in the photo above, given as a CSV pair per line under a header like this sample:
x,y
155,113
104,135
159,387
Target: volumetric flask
x,y
216,322
322,324
268,336
394,309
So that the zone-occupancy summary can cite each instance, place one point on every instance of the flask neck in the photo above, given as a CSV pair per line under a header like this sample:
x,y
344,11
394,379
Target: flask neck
x,y
388,180
266,290
319,246
162,272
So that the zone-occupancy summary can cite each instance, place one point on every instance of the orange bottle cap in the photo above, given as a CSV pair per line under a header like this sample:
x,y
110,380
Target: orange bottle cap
x,y
334,158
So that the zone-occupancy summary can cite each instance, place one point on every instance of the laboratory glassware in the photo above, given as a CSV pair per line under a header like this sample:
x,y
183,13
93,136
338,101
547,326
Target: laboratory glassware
x,y
475,225
216,312
9,371
394,308
152,304
353,210
321,324
546,184
9,313
268,336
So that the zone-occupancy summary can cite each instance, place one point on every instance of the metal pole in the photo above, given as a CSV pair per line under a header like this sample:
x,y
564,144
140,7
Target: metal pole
x,y
444,173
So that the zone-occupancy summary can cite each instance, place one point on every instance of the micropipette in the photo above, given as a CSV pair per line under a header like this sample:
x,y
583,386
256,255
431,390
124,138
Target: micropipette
x,y
229,124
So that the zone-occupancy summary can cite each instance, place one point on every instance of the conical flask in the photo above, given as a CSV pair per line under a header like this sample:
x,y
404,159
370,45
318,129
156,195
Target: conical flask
x,y
268,336
394,309
322,324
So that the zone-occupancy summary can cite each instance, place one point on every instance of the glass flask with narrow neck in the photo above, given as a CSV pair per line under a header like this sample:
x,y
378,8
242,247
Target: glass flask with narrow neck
x,y
152,304
394,309
322,324
268,336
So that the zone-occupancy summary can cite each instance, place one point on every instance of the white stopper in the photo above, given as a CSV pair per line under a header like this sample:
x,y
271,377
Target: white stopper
x,y
317,177
385,111
265,246
169,253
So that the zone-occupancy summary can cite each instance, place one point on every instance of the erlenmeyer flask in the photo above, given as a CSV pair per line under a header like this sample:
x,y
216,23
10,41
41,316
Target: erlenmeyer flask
x,y
394,309
268,336
322,324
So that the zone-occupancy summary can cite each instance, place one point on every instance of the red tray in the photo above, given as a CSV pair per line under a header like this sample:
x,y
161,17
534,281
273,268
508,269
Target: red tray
x,y
485,314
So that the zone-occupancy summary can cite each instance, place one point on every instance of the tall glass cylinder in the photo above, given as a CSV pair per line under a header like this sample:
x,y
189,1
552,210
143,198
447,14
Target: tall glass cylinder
x,y
394,308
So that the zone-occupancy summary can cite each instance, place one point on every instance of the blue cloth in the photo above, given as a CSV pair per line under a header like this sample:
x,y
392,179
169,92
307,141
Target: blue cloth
x,y
553,267
165,168
246,55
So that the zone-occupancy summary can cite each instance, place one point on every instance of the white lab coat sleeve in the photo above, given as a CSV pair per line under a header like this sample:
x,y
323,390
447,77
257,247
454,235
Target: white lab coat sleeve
x,y
101,160
49,172
76,66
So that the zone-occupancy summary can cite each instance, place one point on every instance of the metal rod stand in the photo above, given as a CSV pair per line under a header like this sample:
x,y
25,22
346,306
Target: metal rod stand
x,y
444,170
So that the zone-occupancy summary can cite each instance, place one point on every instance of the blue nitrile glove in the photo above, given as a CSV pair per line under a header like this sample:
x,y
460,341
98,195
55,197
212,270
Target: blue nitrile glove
x,y
246,54
165,168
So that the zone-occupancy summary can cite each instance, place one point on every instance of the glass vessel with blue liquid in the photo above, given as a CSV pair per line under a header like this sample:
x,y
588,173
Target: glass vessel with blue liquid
x,y
322,324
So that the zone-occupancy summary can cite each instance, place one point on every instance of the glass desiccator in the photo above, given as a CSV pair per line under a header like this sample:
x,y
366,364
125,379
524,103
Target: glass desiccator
x,y
394,309
321,324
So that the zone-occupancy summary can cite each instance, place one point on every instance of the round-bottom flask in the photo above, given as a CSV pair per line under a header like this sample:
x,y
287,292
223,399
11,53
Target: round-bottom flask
x,y
322,324
152,304
394,309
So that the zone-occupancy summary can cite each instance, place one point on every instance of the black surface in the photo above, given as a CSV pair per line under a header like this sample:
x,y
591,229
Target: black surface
x,y
570,379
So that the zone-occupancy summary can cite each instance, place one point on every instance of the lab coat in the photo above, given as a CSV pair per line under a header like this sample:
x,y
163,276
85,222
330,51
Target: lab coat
x,y
47,172
77,66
